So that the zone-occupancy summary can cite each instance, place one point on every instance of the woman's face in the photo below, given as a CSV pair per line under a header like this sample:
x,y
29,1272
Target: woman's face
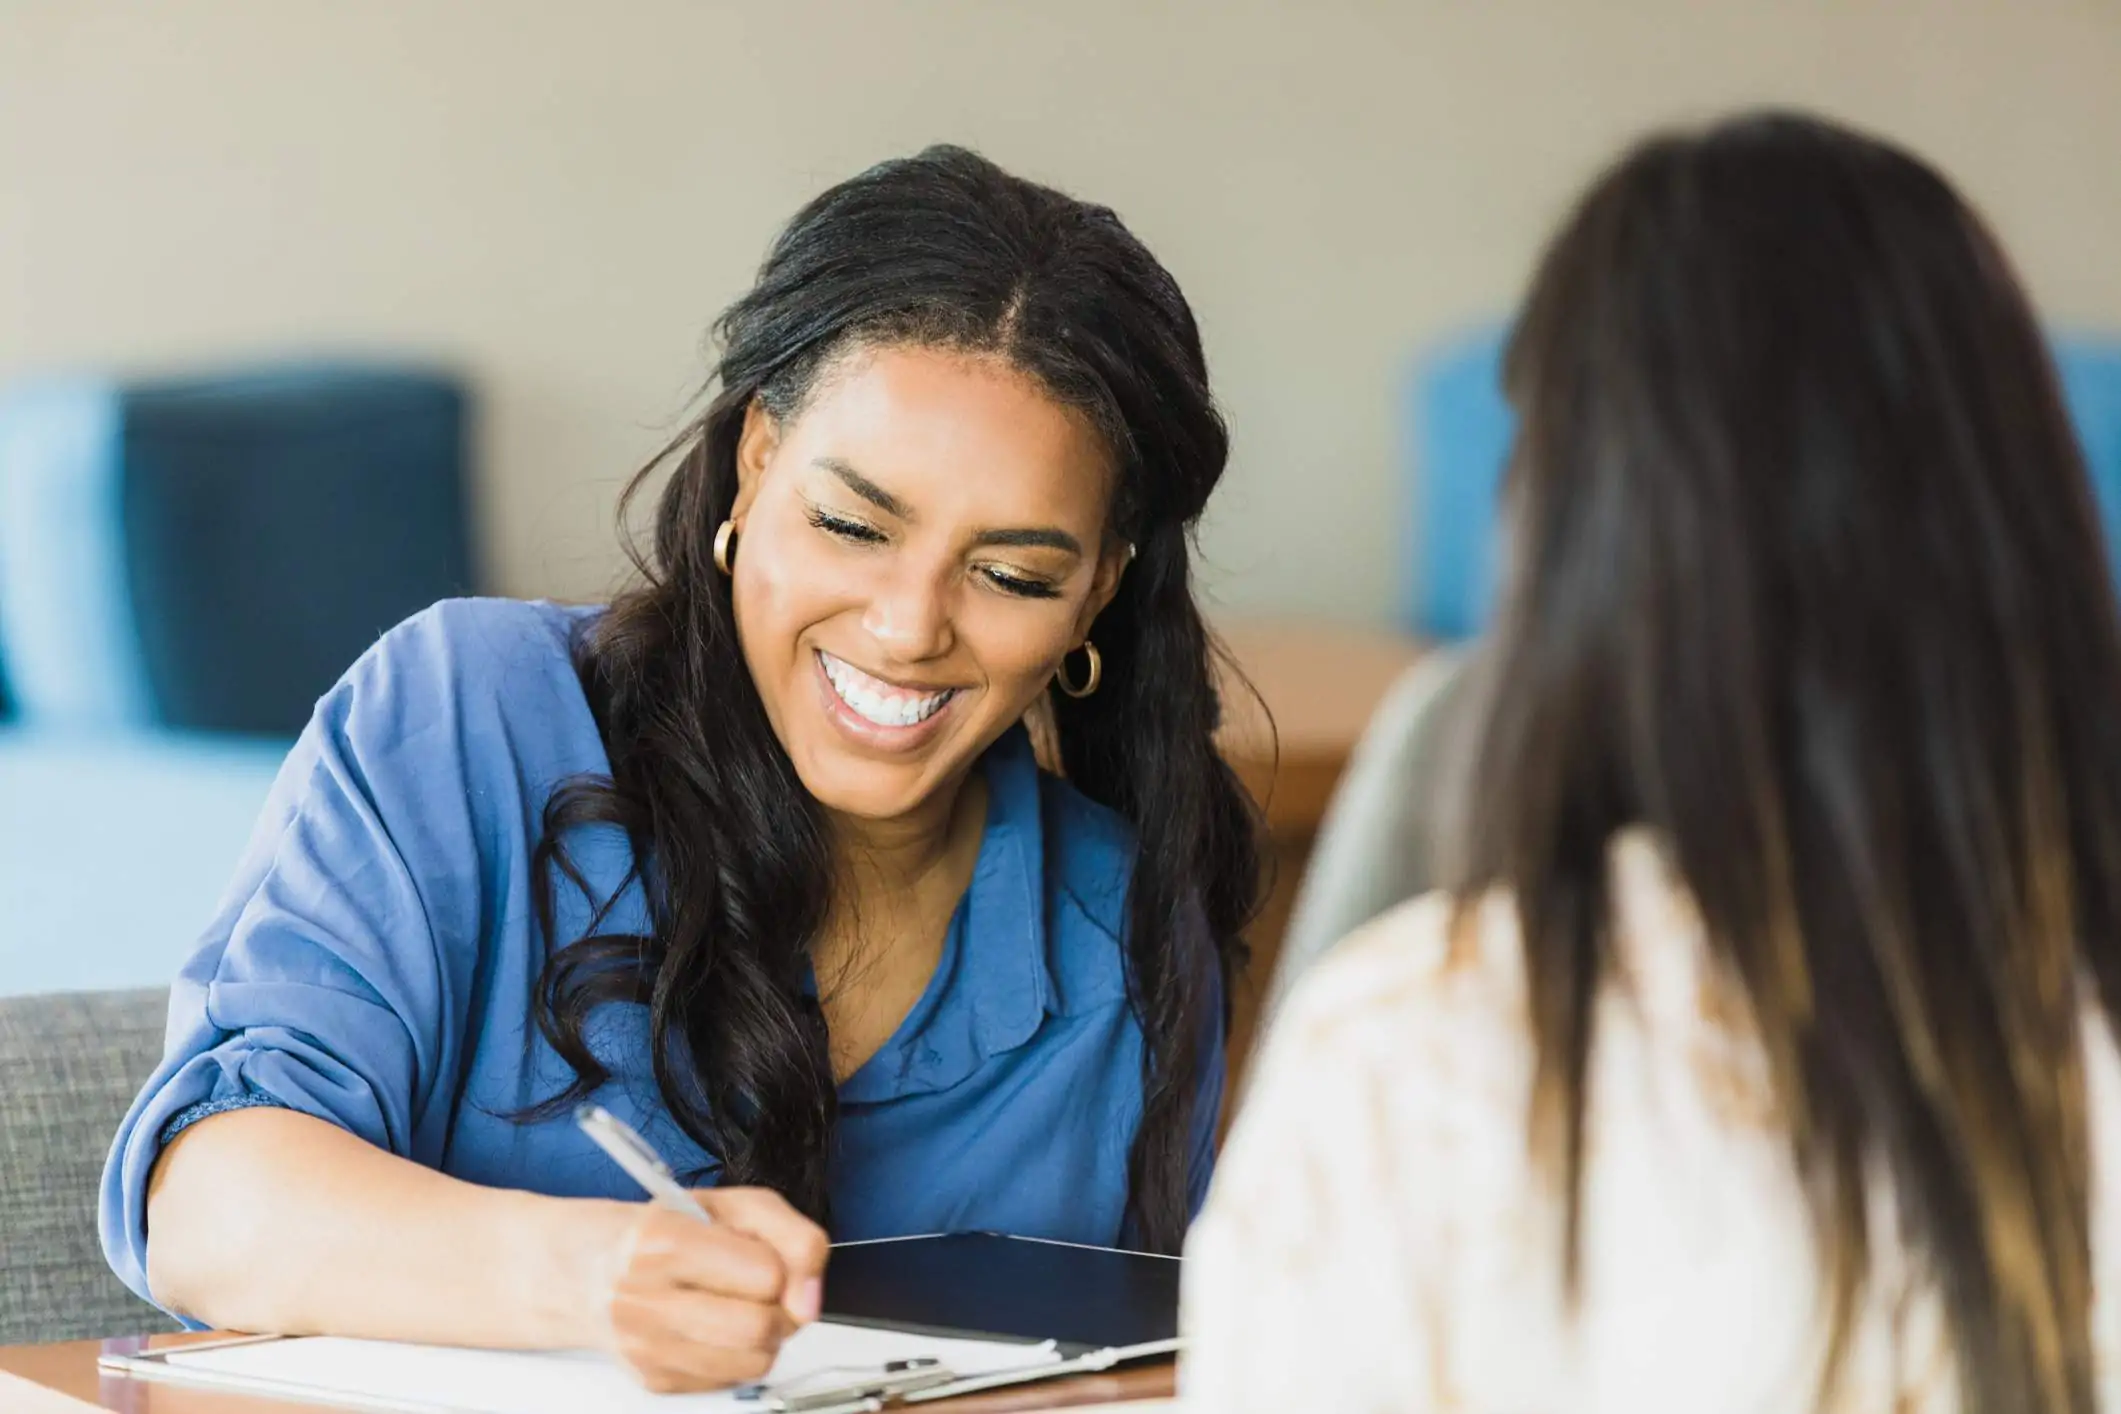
x,y
917,549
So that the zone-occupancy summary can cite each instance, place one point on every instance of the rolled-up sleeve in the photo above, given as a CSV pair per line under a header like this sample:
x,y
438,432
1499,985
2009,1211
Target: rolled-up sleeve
x,y
318,987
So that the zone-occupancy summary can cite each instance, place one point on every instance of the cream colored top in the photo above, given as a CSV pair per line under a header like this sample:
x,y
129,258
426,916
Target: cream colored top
x,y
1377,1239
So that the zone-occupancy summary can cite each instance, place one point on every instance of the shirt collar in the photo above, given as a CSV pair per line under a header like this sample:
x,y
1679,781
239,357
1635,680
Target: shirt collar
x,y
991,987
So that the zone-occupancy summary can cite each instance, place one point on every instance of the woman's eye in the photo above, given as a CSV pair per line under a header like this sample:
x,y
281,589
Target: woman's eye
x,y
857,533
846,529
1020,586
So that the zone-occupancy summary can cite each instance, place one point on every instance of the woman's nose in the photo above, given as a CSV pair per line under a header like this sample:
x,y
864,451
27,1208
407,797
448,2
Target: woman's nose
x,y
909,616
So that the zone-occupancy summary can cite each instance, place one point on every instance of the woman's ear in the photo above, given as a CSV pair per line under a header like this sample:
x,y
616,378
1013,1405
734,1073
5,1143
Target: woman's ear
x,y
755,445
1112,562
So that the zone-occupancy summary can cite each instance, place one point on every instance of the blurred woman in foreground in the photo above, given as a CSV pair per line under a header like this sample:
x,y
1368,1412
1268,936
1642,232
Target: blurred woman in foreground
x,y
1760,1057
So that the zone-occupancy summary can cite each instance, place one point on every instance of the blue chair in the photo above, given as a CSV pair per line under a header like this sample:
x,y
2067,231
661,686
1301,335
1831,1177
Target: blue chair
x,y
1461,430
185,566
2091,385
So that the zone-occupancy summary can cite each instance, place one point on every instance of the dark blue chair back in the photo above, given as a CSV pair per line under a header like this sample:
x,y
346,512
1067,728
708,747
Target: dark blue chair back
x,y
210,553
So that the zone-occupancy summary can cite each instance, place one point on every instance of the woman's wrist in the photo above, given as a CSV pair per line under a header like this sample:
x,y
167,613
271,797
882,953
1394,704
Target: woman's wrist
x,y
572,1252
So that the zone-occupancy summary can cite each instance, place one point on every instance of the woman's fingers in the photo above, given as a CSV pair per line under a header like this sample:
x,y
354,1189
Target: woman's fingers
x,y
800,1244
719,1257
698,1340
674,1367
699,1305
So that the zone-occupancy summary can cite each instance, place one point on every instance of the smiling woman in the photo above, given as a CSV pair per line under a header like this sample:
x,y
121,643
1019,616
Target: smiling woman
x,y
948,580
915,564
761,856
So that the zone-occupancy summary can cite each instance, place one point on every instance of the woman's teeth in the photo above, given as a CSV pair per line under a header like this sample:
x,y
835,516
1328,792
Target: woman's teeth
x,y
878,702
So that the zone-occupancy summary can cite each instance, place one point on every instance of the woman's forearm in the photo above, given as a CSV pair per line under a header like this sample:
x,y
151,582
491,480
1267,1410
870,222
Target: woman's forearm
x,y
268,1220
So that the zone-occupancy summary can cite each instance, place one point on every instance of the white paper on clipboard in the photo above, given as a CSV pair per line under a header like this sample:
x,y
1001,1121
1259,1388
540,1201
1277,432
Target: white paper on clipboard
x,y
395,1378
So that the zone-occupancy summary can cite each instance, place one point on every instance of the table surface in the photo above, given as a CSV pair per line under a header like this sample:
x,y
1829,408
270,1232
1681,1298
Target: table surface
x,y
1316,687
64,1377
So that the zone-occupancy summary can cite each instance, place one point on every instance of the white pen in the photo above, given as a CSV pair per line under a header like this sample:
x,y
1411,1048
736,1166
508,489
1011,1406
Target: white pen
x,y
631,1152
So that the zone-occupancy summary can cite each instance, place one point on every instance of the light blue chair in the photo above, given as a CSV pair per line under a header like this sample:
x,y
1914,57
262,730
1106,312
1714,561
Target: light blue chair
x,y
185,566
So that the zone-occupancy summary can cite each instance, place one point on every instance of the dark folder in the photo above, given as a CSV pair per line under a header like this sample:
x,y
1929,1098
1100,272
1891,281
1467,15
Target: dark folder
x,y
1011,1288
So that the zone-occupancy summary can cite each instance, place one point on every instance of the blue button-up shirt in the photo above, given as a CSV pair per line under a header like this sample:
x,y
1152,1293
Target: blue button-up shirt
x,y
373,966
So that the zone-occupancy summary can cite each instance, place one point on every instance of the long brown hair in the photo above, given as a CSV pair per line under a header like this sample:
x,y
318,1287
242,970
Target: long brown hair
x,y
1808,581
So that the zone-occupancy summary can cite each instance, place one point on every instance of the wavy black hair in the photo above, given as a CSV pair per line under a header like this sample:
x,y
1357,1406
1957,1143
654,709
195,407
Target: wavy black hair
x,y
941,250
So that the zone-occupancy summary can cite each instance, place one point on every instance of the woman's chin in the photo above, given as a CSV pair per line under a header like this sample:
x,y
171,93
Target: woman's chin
x,y
865,786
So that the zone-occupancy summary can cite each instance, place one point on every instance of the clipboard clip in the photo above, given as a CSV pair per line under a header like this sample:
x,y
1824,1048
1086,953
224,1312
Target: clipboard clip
x,y
916,1381
866,1392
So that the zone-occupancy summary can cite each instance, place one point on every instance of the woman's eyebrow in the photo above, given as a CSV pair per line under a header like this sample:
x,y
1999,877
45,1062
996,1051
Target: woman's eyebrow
x,y
863,487
1042,537
1034,537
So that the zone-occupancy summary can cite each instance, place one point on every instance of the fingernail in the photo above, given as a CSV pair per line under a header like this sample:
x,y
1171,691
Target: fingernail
x,y
809,1299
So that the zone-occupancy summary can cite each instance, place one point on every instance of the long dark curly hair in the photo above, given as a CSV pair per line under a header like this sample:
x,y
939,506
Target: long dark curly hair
x,y
943,250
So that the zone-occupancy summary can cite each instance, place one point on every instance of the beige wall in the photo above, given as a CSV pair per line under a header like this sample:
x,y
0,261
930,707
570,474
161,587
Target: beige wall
x,y
560,193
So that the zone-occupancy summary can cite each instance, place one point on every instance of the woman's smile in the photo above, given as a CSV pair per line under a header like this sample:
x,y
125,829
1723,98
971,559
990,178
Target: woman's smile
x,y
877,712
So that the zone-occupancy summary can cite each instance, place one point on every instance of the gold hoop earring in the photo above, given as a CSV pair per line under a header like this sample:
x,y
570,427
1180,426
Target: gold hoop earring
x,y
1097,672
724,543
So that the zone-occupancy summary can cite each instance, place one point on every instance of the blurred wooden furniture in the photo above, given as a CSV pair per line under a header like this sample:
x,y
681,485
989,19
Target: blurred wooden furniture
x,y
63,1379
1316,686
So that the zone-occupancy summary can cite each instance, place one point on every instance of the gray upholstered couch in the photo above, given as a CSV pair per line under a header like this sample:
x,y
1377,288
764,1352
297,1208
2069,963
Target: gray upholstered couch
x,y
70,1063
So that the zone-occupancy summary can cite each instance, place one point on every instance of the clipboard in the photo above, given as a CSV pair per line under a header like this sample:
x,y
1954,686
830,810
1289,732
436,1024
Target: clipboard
x,y
873,1392
1095,1307
385,1377
994,1286
907,1321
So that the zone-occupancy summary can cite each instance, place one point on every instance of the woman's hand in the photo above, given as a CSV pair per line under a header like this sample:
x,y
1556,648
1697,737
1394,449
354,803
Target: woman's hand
x,y
703,1306
247,1207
